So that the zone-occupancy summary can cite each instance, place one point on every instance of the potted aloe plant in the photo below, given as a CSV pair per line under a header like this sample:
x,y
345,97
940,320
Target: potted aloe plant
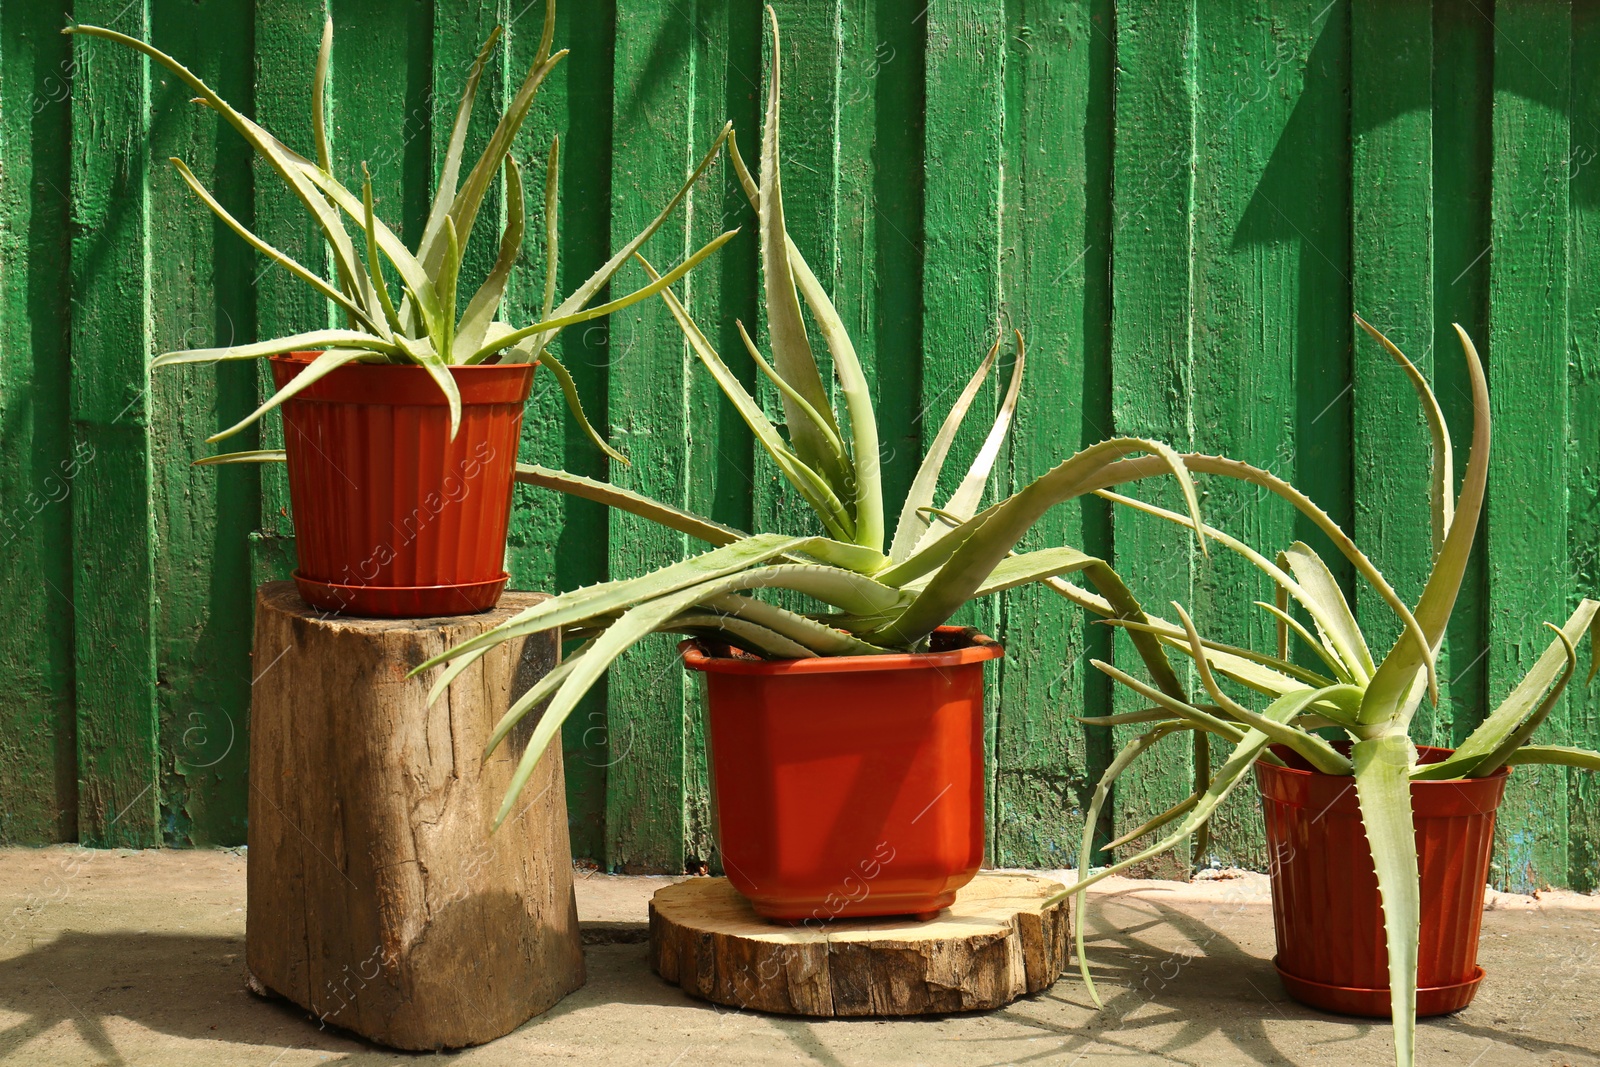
x,y
1379,849
401,426
846,741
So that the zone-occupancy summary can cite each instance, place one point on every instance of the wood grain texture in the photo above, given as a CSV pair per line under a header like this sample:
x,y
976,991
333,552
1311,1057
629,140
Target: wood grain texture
x,y
113,531
41,465
655,144
1391,83
1054,258
1583,413
1528,391
379,899
963,153
1272,333
1152,359
997,942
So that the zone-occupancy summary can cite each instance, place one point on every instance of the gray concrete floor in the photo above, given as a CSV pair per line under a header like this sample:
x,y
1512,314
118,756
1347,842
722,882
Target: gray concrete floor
x,y
122,957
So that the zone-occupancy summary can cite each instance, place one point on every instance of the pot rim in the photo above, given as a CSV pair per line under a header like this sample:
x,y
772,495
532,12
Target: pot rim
x,y
405,384
1426,754
306,355
979,649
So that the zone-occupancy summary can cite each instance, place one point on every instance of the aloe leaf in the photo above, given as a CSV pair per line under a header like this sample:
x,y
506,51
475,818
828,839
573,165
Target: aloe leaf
x,y
299,342
1021,568
738,632
450,174
1133,718
913,524
1245,754
1390,696
580,604
345,260
864,462
809,482
1347,672
1199,718
1319,583
259,455
1256,670
752,189
560,322
1314,749
469,198
1558,755
319,98
486,301
1005,524
536,694
823,426
624,500
315,370
422,352
1383,790
791,350
1287,622
1156,822
569,389
1512,712
964,502
1443,480
1518,737
374,264
284,260
1102,793
597,281
819,638
552,256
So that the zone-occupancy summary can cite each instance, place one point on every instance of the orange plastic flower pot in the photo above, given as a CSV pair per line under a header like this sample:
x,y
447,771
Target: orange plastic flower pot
x,y
391,517
852,786
1325,904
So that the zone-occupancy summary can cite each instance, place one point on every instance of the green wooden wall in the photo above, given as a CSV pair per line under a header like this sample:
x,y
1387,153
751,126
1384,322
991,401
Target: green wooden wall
x,y
1178,204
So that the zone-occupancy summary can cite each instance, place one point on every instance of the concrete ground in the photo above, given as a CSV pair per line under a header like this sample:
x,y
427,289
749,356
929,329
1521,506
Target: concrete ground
x,y
121,957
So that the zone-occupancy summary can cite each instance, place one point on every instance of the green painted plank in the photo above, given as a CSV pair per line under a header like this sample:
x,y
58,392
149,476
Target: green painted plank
x,y
1583,411
1054,254
1525,519
1272,334
39,467
655,141
965,114
719,449
1391,88
287,35
200,283
112,525
558,542
1152,353
1462,94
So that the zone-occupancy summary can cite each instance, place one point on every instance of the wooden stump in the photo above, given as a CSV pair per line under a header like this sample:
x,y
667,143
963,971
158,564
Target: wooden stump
x,y
997,942
378,900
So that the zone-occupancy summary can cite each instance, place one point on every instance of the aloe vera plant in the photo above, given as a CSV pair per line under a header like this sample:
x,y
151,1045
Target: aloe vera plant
x,y
422,323
875,593
1371,701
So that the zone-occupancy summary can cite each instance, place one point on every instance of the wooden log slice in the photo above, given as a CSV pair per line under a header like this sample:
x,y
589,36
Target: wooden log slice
x,y
997,942
378,898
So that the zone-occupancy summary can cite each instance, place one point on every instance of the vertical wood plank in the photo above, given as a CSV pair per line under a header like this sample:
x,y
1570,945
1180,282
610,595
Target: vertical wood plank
x,y
1272,334
1583,438
1152,348
963,151
1525,523
558,542
287,35
199,278
113,530
1055,250
1392,286
39,467
654,143
1462,127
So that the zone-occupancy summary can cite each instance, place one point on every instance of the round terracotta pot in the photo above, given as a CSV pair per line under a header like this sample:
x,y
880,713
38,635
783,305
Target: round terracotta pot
x,y
1332,952
391,517
851,786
